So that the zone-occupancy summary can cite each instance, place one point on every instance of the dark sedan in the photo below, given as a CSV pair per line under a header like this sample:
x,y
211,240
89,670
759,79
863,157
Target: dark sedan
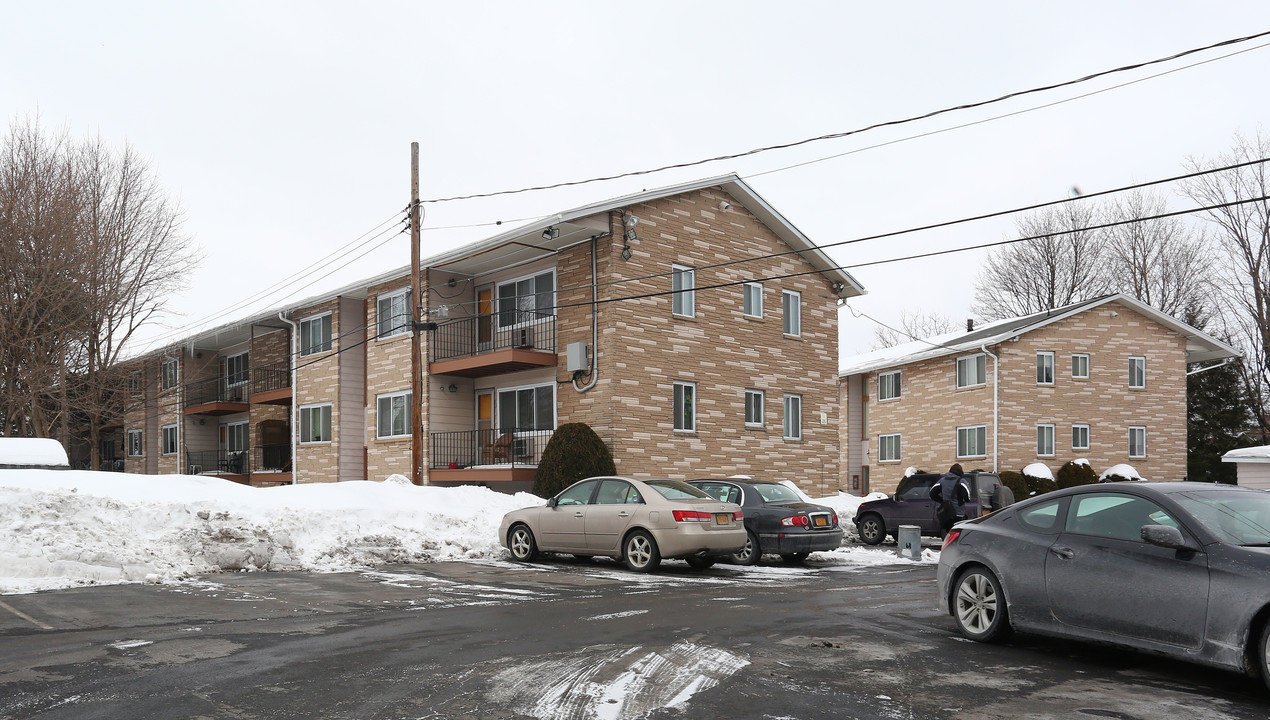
x,y
1179,569
777,520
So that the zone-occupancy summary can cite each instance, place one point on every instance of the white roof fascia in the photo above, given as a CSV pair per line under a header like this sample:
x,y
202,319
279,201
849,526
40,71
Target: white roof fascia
x,y
1259,454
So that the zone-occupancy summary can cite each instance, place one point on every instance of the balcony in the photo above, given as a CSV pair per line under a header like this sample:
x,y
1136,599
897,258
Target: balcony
x,y
262,465
493,344
216,462
270,386
482,456
217,396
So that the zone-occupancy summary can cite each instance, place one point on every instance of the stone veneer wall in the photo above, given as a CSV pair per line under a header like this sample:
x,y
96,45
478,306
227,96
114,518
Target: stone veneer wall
x,y
388,371
317,382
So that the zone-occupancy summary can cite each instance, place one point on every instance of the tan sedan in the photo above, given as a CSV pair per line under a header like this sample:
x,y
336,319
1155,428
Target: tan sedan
x,y
639,521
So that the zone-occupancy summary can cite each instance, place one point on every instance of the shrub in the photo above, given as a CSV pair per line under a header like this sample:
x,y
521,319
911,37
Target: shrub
x,y
1016,483
1073,473
573,453
1117,478
1039,485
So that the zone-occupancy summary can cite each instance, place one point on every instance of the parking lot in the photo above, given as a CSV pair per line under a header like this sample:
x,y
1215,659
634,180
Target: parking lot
x,y
564,639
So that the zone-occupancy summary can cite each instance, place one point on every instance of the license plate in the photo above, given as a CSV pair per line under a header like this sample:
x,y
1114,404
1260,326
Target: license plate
x,y
722,518
822,522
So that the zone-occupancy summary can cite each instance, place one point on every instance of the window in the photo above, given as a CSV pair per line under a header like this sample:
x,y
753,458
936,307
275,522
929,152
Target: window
x,y
685,406
1080,366
136,383
972,371
315,423
972,441
1045,368
393,313
1042,517
136,447
1045,440
315,334
617,492
683,300
1080,437
1137,442
168,376
527,408
237,370
393,412
1137,372
792,307
793,417
888,448
169,440
1115,515
752,299
754,408
237,437
526,299
579,494
889,385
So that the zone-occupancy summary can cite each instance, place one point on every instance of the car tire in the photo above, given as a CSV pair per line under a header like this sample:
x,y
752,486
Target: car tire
x,y
749,554
639,552
795,558
872,529
521,543
1262,655
979,606
700,563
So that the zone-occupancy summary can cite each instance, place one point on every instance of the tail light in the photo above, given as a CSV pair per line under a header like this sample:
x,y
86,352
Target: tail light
x,y
950,538
835,518
738,515
796,521
691,516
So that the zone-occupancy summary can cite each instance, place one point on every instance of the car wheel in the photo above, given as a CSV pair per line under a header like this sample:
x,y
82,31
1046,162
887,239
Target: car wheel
x,y
794,558
872,529
700,563
639,552
749,554
1263,655
979,606
520,540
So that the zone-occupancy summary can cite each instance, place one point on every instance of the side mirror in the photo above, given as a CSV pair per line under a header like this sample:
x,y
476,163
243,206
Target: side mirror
x,y
1164,536
552,503
896,497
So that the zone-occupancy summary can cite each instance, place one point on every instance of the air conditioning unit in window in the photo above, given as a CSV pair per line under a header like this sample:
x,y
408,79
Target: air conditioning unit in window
x,y
523,337
522,447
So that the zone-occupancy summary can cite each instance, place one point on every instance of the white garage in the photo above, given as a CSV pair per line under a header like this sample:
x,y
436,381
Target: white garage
x,y
1252,465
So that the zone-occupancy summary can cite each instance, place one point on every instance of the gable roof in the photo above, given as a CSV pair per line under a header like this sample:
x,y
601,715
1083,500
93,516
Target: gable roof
x,y
1200,347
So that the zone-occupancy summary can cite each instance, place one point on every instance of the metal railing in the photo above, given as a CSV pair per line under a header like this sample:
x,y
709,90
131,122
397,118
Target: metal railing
x,y
267,379
525,329
271,458
114,464
217,390
216,462
470,448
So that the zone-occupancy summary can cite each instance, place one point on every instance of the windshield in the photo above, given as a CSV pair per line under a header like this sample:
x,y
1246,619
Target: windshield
x,y
1239,518
676,490
776,493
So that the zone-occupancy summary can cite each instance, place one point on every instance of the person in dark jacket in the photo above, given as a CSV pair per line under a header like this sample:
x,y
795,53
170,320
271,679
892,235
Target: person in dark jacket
x,y
952,495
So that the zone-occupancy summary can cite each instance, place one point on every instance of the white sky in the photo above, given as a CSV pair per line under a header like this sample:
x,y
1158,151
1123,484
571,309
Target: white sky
x,y
285,128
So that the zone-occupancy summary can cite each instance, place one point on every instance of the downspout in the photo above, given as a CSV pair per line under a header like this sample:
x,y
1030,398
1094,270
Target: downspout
x,y
295,412
996,384
595,327
1223,363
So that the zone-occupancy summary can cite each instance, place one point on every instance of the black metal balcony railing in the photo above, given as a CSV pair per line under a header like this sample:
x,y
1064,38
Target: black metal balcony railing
x,y
271,458
216,462
468,448
217,390
111,465
267,379
501,331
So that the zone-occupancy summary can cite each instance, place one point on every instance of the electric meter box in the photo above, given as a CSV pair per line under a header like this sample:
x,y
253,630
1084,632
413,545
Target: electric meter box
x,y
575,357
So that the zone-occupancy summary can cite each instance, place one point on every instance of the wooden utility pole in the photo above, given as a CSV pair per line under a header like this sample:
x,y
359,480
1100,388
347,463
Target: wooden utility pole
x,y
416,329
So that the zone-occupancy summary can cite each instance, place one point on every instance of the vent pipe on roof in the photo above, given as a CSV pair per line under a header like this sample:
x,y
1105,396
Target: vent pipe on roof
x,y
970,324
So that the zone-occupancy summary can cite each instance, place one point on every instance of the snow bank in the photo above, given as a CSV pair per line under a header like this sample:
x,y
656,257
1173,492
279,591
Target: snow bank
x,y
32,451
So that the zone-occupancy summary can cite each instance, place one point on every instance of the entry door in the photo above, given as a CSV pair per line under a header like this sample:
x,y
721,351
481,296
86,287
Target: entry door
x,y
485,316
485,426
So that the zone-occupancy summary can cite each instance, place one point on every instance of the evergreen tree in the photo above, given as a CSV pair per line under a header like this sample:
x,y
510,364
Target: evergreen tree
x,y
1219,418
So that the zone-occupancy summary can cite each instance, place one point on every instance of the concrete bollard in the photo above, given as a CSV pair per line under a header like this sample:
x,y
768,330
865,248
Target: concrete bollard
x,y
909,542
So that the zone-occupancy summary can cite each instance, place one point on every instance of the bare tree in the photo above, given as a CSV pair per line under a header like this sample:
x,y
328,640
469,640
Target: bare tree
x,y
1060,263
914,325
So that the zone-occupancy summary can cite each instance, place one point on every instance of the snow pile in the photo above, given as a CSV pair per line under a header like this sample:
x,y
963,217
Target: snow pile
x,y
67,528
1123,470
1038,470
32,451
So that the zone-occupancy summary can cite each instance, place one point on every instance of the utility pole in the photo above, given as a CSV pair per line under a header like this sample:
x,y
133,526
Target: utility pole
x,y
416,326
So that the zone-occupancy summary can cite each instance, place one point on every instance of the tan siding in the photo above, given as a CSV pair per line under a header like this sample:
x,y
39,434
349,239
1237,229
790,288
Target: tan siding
x,y
352,391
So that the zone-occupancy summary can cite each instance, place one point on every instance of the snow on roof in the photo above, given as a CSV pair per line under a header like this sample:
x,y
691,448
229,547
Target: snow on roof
x,y
1261,453
28,452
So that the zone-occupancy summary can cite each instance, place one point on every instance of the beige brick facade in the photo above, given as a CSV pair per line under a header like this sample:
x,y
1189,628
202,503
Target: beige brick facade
x,y
388,372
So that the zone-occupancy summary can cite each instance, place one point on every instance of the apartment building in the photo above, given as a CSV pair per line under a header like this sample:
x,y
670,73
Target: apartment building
x,y
1103,380
693,327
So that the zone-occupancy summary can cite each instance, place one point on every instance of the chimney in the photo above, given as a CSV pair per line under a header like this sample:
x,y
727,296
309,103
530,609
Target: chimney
x,y
970,324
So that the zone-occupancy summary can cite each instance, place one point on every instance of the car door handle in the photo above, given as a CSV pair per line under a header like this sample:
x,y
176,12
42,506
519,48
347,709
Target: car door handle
x,y
1065,553
579,514
623,514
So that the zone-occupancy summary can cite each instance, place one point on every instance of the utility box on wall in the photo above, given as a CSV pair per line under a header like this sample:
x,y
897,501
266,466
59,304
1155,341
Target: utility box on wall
x,y
575,357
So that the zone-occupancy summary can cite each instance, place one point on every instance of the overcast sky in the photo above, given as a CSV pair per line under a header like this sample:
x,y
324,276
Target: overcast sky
x,y
284,128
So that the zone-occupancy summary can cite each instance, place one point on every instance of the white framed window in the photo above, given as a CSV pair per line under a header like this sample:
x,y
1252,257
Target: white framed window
x,y
168,443
136,383
683,284
793,417
237,368
752,299
972,441
888,448
1080,366
237,437
169,374
1045,368
1080,437
754,408
392,412
1045,440
392,313
526,299
1137,441
1137,372
889,385
792,311
315,334
315,423
972,371
685,409
136,443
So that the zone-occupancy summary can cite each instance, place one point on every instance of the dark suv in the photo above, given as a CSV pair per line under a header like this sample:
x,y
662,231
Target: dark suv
x,y
911,505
